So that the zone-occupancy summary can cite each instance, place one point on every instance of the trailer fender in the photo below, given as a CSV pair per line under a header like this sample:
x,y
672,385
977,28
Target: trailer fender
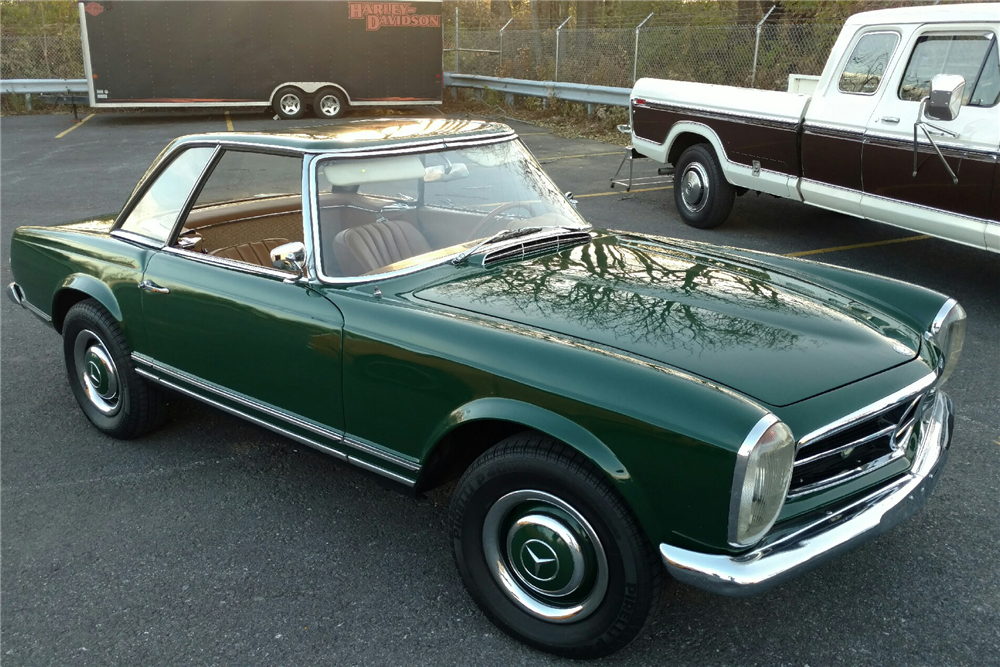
x,y
309,88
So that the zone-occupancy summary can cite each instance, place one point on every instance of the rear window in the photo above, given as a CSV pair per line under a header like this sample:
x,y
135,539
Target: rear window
x,y
970,56
864,69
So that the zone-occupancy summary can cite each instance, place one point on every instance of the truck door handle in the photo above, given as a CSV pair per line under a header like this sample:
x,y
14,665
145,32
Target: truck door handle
x,y
889,119
150,286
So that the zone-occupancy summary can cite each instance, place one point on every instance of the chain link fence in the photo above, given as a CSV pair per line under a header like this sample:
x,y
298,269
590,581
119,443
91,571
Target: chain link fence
x,y
720,54
41,57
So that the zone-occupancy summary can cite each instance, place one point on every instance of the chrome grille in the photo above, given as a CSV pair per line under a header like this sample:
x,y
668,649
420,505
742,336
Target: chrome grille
x,y
855,448
533,246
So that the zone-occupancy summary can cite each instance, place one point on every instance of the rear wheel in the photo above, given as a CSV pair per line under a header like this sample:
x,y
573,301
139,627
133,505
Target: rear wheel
x,y
101,374
290,103
550,552
703,196
329,103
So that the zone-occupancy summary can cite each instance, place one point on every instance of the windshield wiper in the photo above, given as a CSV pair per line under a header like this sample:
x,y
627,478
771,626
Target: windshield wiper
x,y
500,236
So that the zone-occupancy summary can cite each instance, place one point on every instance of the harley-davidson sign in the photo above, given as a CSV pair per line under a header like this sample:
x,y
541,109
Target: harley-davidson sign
x,y
393,14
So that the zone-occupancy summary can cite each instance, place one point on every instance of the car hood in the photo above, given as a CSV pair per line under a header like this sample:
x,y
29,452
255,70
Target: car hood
x,y
774,337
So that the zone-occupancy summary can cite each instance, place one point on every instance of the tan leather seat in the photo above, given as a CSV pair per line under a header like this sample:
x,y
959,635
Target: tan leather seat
x,y
257,252
364,249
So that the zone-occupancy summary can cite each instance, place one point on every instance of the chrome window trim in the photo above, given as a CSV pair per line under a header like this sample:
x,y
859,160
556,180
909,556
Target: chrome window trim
x,y
136,238
316,243
165,161
739,474
273,411
881,405
888,62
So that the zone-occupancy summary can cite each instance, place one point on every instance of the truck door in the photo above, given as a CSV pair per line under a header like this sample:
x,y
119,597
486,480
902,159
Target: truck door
x,y
929,201
834,129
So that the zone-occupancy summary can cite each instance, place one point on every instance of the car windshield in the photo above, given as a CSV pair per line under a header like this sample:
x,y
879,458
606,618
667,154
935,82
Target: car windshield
x,y
387,213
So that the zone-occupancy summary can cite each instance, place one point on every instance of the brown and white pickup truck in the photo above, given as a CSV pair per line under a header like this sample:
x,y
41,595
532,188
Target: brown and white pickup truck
x,y
903,128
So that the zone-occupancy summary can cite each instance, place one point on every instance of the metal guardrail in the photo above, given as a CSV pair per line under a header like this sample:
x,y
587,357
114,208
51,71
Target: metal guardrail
x,y
573,92
30,86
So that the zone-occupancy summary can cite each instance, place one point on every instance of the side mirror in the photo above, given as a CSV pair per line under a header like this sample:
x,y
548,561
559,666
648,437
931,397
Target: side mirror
x,y
569,197
289,257
945,100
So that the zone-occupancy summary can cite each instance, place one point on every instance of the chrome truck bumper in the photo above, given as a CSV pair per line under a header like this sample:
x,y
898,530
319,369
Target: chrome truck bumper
x,y
770,564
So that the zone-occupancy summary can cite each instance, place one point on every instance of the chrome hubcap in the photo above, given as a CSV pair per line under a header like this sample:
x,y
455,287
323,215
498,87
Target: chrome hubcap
x,y
545,556
97,372
694,187
290,104
329,105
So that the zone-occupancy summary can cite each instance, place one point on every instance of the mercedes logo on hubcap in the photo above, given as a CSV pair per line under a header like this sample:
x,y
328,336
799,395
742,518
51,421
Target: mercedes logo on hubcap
x,y
95,373
539,560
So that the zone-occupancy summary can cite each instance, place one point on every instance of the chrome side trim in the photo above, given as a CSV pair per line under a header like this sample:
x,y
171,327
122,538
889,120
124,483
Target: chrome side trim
x,y
15,294
739,474
274,411
819,540
969,151
871,410
36,311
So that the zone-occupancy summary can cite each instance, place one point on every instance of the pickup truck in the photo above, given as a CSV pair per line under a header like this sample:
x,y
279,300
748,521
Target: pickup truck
x,y
903,128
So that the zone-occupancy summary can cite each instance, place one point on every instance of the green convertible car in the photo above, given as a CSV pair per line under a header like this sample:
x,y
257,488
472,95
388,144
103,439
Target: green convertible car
x,y
417,298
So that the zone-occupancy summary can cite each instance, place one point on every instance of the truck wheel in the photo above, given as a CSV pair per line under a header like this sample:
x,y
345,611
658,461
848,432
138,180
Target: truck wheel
x,y
289,103
702,194
329,103
99,363
550,552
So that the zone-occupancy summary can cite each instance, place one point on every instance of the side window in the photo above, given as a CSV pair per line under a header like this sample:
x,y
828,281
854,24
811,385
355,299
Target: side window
x,y
250,204
986,92
156,212
864,69
946,54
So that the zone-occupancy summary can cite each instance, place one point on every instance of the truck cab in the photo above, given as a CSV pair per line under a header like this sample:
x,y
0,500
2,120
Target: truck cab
x,y
864,143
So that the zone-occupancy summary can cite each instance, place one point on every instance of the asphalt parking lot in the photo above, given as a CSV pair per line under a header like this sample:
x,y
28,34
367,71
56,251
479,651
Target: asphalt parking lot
x,y
215,542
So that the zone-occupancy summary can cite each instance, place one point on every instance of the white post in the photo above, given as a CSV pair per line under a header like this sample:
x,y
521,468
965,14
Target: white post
x,y
501,40
756,47
456,38
557,44
635,54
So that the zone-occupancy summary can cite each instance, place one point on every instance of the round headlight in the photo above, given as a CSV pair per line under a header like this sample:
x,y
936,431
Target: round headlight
x,y
760,482
947,332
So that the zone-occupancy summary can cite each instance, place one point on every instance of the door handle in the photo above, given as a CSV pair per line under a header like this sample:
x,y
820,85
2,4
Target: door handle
x,y
150,286
889,119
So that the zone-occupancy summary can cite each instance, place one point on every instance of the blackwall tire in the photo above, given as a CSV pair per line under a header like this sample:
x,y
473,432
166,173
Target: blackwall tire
x,y
290,103
703,196
329,103
102,376
550,552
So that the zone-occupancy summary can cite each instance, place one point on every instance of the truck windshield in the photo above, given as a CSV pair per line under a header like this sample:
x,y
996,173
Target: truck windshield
x,y
386,213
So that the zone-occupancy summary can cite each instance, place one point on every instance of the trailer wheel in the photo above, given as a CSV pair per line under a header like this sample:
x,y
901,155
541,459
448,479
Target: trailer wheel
x,y
289,103
329,103
702,194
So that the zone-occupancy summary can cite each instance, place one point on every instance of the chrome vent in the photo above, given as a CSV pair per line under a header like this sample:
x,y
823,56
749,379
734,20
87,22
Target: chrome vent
x,y
535,246
855,449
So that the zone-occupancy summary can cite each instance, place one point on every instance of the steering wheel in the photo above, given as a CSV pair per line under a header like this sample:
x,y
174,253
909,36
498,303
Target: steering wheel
x,y
492,217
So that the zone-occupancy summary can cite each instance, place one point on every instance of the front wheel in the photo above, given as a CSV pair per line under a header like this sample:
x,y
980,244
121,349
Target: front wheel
x,y
550,552
329,103
99,365
290,103
703,196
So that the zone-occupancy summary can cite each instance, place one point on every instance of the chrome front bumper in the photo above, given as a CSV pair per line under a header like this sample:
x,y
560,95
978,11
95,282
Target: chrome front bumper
x,y
770,564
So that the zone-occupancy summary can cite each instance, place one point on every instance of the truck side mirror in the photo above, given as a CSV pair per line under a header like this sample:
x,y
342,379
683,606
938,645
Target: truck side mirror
x,y
945,100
